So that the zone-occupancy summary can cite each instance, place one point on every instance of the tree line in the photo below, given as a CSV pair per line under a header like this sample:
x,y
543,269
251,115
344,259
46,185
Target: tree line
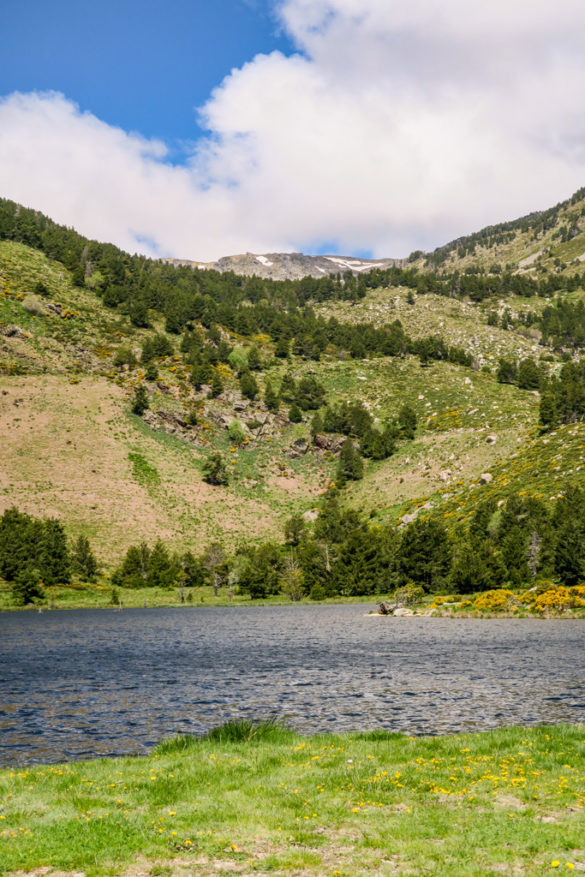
x,y
512,543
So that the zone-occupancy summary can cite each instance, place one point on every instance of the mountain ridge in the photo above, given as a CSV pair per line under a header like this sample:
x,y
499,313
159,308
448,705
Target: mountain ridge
x,y
290,266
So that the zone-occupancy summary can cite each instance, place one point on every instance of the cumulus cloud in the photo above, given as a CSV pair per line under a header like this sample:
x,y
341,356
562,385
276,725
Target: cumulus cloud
x,y
396,126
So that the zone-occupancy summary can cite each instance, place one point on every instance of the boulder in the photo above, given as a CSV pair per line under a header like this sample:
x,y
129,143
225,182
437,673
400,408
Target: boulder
x,y
491,439
403,612
329,442
297,449
11,331
486,478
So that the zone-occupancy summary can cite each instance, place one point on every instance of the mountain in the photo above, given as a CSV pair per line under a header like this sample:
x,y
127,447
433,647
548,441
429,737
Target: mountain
x,y
84,325
290,266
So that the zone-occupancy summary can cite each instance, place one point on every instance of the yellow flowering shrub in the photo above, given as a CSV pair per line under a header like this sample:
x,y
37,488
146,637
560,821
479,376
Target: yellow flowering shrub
x,y
554,598
494,601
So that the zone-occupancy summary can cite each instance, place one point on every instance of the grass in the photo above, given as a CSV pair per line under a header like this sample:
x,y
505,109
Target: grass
x,y
260,799
99,596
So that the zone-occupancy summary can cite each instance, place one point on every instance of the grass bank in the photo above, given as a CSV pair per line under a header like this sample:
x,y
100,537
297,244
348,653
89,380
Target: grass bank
x,y
546,601
263,800
102,596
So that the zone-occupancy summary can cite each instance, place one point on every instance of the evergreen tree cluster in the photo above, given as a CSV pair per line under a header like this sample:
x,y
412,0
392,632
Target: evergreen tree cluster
x,y
34,553
281,310
562,325
307,393
145,567
526,374
563,397
354,420
520,542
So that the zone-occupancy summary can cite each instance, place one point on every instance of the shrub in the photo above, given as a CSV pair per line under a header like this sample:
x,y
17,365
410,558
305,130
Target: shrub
x,y
317,592
410,594
214,470
497,600
237,359
236,432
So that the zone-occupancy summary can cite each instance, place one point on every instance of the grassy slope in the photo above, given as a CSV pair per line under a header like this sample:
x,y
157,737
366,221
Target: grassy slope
x,y
75,450
509,801
529,252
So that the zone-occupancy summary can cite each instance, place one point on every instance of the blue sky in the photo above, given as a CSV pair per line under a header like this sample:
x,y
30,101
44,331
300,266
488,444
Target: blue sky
x,y
201,129
144,66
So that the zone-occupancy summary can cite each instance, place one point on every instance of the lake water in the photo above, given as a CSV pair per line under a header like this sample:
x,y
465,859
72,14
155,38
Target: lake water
x,y
81,684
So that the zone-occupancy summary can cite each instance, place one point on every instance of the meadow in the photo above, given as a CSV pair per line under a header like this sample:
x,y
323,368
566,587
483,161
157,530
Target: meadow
x,y
263,800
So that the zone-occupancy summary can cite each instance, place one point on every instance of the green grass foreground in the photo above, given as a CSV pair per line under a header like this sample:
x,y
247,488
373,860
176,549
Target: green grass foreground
x,y
263,800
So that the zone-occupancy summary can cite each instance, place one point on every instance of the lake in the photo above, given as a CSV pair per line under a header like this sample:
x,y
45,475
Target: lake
x,y
81,684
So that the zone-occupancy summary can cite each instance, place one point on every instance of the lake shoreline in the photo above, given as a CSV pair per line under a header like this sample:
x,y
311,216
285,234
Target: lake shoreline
x,y
545,601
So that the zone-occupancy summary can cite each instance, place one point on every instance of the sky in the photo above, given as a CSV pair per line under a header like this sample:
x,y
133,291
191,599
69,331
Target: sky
x,y
204,128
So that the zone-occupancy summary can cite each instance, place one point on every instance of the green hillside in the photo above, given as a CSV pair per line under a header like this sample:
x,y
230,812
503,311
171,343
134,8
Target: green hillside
x,y
83,326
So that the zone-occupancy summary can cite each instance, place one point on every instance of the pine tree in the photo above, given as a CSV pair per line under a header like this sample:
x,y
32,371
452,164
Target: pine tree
x,y
140,403
151,372
54,561
216,385
548,413
316,425
425,554
248,385
254,363
282,348
214,469
350,466
133,570
83,561
528,375
288,388
27,587
407,421
293,530
161,569
295,415
271,400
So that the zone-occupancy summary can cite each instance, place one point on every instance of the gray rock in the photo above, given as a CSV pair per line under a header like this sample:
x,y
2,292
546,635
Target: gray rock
x,y
297,449
486,478
11,331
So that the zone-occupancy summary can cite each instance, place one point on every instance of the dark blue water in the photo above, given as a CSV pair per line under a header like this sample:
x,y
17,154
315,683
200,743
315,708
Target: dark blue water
x,y
81,684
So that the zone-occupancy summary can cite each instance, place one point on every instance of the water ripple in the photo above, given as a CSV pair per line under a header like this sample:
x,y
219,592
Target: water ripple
x,y
93,683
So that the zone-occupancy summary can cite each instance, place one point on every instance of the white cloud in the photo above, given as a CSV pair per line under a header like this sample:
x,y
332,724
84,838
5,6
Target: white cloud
x,y
400,125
